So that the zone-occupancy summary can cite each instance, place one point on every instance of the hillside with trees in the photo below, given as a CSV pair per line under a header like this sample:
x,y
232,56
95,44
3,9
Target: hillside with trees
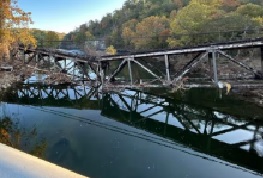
x,y
47,39
149,24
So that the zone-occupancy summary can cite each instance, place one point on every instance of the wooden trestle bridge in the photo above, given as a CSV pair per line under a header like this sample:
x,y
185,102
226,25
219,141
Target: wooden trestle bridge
x,y
148,68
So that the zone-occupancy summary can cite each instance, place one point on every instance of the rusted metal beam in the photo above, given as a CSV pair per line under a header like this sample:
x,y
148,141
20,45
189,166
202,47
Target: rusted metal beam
x,y
118,69
191,65
261,49
145,68
227,46
214,66
130,69
236,62
167,69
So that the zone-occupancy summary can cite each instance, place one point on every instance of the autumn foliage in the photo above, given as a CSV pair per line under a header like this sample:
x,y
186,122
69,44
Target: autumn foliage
x,y
151,24
14,27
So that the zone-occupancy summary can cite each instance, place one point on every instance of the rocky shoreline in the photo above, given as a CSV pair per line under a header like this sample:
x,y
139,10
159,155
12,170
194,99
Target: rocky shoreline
x,y
7,79
13,71
254,95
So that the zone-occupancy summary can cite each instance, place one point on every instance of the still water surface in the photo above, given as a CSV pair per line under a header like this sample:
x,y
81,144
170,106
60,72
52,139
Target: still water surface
x,y
136,134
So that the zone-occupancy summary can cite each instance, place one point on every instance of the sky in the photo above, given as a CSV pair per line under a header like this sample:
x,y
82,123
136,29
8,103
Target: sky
x,y
66,15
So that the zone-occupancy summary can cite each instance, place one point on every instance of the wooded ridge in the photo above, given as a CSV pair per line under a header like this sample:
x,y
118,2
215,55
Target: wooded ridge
x,y
149,24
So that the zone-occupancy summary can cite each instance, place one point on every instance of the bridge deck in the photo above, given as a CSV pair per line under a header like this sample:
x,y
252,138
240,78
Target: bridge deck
x,y
63,54
203,48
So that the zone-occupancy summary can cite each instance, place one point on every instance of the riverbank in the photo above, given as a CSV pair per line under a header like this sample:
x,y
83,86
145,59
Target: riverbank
x,y
253,95
15,163
7,79
13,71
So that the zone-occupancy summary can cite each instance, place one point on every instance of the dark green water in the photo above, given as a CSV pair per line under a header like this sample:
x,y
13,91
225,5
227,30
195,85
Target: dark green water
x,y
136,134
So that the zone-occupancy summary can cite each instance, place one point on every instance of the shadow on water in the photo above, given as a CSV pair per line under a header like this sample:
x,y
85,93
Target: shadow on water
x,y
62,153
227,128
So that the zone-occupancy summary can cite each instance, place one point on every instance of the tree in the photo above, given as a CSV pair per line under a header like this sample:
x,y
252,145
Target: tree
x,y
179,3
229,5
111,50
51,40
14,29
149,33
40,36
257,2
224,28
128,30
250,10
190,19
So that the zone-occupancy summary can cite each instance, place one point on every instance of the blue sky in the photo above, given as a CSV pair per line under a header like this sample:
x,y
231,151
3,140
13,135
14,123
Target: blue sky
x,y
66,15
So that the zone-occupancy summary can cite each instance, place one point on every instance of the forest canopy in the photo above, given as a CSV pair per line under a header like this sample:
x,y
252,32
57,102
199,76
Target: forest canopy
x,y
148,24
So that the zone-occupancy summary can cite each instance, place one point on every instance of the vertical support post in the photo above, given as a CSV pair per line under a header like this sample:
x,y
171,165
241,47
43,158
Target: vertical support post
x,y
167,69
261,58
130,70
24,56
214,66
83,73
166,121
101,74
49,64
209,59
97,73
36,58
11,55
73,78
49,58
65,63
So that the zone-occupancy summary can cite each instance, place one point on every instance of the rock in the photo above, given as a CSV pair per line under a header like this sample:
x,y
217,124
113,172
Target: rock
x,y
259,75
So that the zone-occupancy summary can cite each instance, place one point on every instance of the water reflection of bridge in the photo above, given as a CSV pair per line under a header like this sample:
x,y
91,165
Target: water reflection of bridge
x,y
82,97
203,129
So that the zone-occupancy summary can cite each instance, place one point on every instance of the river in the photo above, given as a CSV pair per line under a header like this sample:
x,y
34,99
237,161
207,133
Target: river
x,y
130,133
